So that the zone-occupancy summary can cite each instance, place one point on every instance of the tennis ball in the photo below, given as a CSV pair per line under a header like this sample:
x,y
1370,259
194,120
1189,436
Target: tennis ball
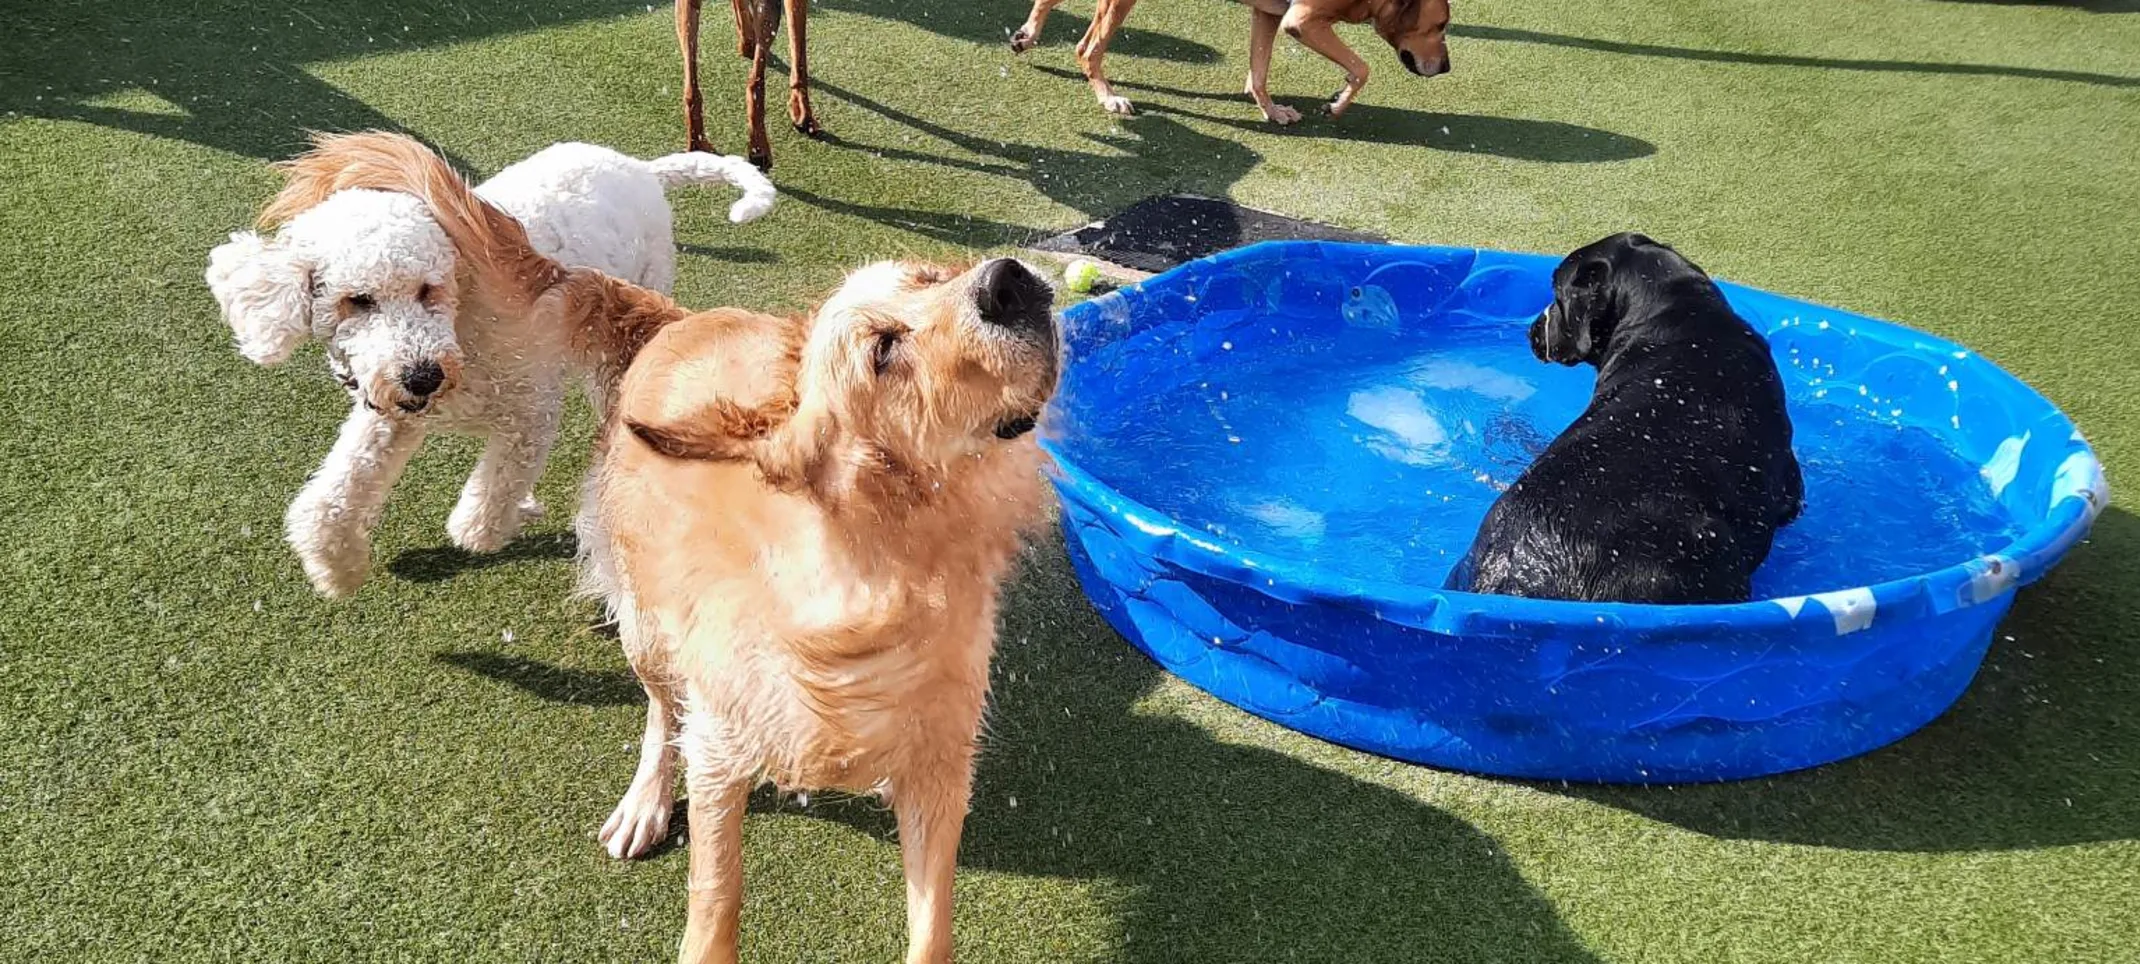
x,y
1081,275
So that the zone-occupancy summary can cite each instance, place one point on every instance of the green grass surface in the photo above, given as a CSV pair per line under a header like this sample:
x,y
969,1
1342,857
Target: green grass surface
x,y
201,761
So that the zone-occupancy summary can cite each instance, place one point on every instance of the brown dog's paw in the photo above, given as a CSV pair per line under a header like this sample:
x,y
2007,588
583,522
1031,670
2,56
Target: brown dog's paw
x,y
1023,41
802,116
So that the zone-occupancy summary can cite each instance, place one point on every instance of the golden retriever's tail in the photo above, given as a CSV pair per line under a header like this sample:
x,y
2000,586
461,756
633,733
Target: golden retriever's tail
x,y
492,240
608,319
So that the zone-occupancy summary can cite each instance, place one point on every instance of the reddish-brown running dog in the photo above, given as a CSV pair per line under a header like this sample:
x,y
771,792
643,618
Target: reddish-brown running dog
x,y
1416,29
756,22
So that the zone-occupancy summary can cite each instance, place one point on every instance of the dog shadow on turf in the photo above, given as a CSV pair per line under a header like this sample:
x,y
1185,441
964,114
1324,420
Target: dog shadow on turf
x,y
441,563
231,76
2040,752
1520,36
1152,156
1224,852
1511,137
992,25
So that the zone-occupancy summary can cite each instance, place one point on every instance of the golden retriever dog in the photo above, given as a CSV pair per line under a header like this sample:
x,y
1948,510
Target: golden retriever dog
x,y
1416,29
801,526
809,521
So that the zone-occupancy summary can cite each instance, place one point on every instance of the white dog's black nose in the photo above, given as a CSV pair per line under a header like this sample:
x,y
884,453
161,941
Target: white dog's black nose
x,y
423,378
1010,294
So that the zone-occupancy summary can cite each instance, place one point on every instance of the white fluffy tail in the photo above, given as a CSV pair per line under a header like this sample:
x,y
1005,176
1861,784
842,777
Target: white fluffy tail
x,y
698,167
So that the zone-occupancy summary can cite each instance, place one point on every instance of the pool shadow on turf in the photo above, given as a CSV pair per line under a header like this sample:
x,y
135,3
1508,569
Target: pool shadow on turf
x,y
2040,752
1232,851
232,76
1221,852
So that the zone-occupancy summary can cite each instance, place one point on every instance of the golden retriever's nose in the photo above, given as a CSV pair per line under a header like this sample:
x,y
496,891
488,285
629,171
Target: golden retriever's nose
x,y
1008,293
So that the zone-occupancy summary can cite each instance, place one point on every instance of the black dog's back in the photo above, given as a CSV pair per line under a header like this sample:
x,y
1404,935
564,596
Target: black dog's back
x,y
1670,487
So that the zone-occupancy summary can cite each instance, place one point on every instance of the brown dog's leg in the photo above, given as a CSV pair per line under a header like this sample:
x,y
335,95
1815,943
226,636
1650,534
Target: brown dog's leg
x,y
1028,35
1317,34
1092,53
761,33
745,33
932,814
1261,37
694,104
717,807
799,112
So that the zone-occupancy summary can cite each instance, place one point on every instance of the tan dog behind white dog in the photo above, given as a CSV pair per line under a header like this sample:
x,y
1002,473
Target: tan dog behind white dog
x,y
801,526
421,343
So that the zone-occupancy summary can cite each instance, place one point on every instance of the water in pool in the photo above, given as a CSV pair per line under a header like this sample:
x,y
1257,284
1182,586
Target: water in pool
x,y
1375,455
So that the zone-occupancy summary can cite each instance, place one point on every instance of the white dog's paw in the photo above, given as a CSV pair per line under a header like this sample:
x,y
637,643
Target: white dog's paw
x,y
640,821
1117,104
335,580
336,557
531,509
477,526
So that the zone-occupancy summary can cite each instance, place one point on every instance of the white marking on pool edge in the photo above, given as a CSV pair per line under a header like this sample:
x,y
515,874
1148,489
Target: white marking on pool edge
x,y
2080,476
1461,376
2005,463
1851,608
1791,604
1992,575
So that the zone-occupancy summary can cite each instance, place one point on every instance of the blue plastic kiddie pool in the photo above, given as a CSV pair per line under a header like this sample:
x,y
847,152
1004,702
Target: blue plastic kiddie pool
x,y
1270,459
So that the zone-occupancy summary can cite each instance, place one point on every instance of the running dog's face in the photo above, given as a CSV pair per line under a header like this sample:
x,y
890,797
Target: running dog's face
x,y
1418,30
930,363
367,273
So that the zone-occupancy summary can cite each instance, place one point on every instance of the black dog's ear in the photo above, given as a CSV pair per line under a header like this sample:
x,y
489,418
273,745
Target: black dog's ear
x,y
1580,318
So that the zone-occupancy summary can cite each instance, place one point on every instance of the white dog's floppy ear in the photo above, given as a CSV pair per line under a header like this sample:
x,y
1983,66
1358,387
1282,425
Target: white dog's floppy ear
x,y
266,296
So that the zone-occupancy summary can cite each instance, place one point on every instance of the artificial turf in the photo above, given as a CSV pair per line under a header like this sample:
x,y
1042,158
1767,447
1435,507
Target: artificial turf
x,y
201,761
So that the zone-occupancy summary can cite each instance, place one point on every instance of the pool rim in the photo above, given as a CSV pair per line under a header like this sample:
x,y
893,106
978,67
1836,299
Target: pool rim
x,y
1979,580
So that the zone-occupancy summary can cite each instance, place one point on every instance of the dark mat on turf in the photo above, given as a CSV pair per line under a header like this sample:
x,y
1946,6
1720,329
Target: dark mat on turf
x,y
1165,230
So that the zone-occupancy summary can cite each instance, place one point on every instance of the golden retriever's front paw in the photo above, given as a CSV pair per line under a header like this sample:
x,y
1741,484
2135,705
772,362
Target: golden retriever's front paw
x,y
1117,104
640,821
1025,39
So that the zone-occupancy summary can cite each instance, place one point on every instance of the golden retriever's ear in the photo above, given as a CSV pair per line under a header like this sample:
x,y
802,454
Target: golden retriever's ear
x,y
720,431
792,453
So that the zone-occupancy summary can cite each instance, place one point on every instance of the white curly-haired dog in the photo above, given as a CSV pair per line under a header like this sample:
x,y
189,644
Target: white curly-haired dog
x,y
426,338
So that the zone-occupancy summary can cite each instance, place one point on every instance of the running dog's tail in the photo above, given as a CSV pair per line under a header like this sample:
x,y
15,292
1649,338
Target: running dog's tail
x,y
699,167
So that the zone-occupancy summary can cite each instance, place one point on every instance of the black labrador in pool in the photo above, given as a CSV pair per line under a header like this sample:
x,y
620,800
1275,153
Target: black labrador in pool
x,y
1671,485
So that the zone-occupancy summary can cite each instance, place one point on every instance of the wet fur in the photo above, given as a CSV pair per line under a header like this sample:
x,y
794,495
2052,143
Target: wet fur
x,y
1670,487
807,558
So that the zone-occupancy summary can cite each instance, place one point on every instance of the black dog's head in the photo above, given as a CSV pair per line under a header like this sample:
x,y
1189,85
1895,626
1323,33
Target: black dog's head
x,y
1595,287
